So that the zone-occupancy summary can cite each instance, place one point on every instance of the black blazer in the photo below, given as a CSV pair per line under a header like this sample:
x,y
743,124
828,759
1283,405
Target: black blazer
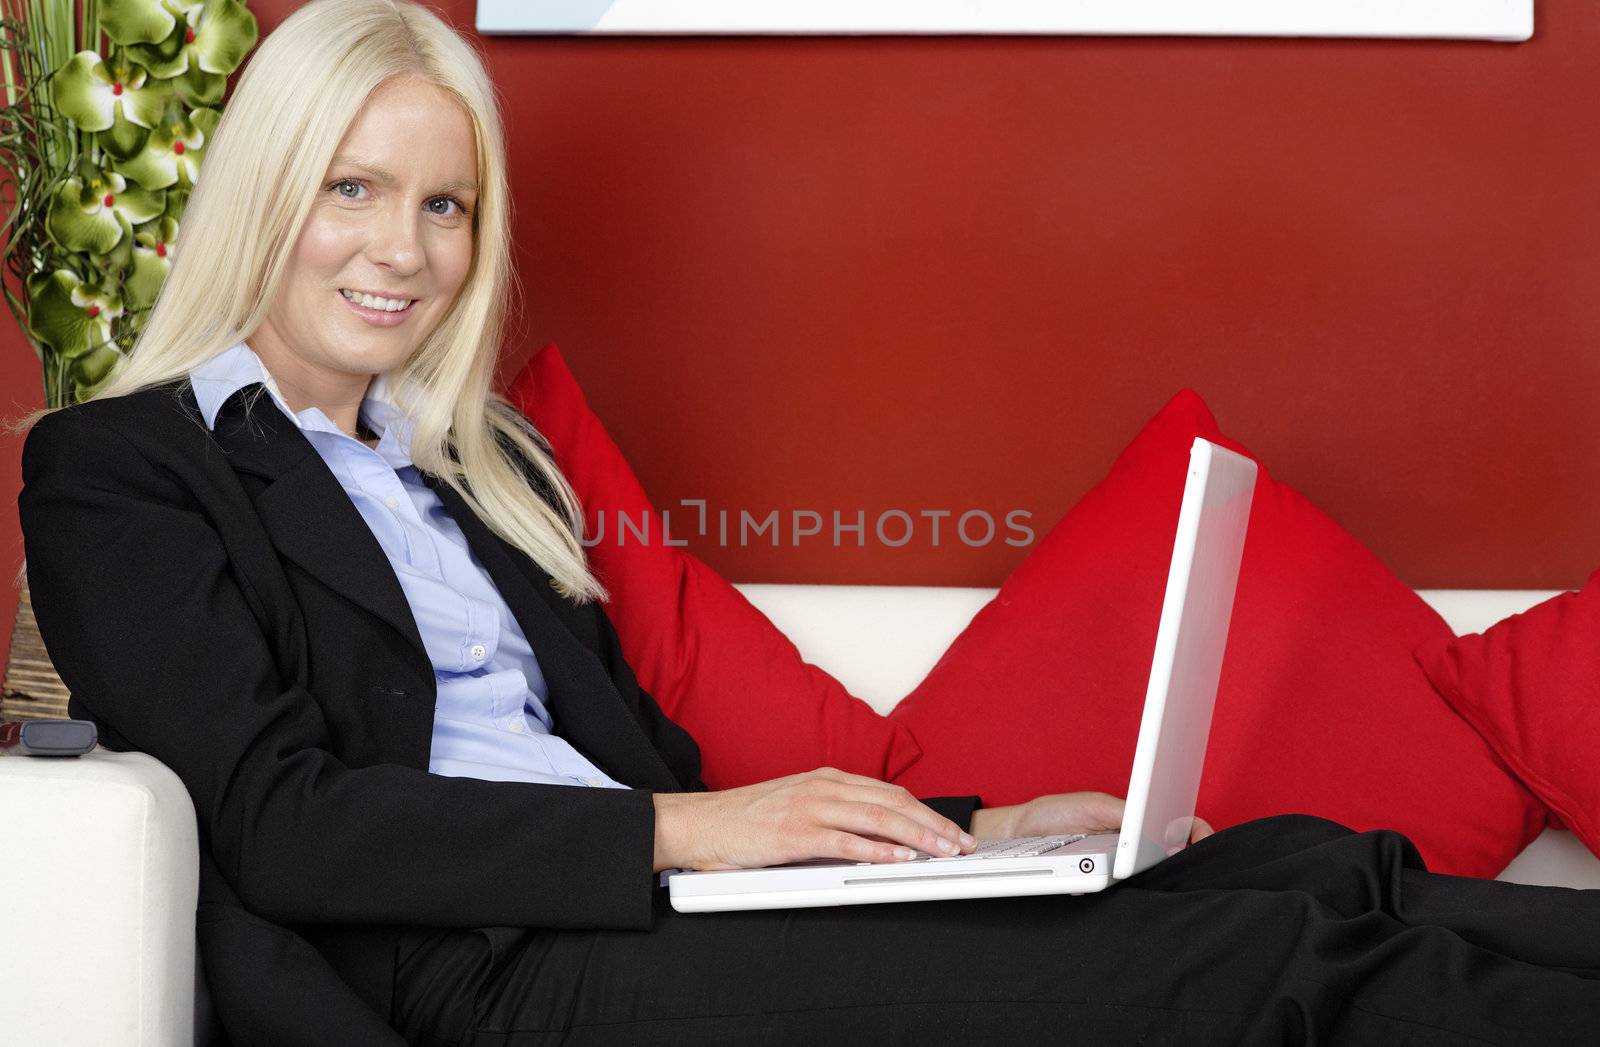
x,y
217,601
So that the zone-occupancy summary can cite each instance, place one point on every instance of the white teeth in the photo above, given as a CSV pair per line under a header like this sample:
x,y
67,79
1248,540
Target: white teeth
x,y
388,305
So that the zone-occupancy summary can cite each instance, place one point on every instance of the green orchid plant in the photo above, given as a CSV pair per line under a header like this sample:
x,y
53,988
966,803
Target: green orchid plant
x,y
100,148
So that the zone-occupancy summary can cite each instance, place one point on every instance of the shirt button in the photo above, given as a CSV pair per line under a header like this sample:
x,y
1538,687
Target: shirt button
x,y
594,781
393,503
519,727
477,651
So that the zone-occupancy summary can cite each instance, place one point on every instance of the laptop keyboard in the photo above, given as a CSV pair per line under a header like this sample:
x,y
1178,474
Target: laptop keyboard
x,y
1018,847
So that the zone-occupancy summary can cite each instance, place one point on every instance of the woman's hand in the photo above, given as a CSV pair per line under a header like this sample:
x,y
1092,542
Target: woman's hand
x,y
825,813
1061,814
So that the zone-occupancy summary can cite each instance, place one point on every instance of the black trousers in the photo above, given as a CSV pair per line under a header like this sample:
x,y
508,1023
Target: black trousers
x,y
1284,930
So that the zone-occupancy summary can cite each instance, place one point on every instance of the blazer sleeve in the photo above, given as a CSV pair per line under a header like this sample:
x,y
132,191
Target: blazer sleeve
x,y
148,627
958,809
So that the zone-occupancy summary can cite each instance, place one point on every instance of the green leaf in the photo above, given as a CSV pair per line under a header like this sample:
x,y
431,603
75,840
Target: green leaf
x,y
106,305
120,258
150,271
156,165
205,121
227,33
199,87
143,104
56,319
79,220
82,392
146,279
189,10
83,92
124,140
201,125
224,33
135,21
161,233
161,163
165,59
90,369
177,200
139,205
107,299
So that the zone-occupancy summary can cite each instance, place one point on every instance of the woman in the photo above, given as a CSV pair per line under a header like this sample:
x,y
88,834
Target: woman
x,y
299,551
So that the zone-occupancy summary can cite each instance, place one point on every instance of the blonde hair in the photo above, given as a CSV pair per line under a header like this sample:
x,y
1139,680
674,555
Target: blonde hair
x,y
294,101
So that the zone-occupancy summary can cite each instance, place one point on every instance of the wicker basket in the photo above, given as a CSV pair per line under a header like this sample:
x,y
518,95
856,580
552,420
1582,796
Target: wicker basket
x,y
31,689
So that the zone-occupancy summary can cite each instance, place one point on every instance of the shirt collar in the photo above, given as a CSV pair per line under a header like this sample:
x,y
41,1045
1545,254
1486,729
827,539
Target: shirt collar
x,y
237,367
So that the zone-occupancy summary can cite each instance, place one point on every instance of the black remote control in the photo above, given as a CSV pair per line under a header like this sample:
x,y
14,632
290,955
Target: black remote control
x,y
47,737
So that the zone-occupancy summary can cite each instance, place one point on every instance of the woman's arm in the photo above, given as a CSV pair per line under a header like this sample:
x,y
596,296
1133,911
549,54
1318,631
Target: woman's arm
x,y
993,823
1065,813
142,609
825,813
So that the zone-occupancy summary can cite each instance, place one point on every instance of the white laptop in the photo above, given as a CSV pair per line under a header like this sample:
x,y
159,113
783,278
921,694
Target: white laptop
x,y
1166,764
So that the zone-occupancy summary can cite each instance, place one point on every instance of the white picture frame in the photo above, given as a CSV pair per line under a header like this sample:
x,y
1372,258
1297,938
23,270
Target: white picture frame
x,y
1504,20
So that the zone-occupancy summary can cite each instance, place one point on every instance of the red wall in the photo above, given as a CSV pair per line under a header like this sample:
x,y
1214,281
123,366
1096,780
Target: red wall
x,y
959,272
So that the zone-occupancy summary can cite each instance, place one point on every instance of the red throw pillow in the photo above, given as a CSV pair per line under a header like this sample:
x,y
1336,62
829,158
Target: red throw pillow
x,y
1321,708
1531,686
715,664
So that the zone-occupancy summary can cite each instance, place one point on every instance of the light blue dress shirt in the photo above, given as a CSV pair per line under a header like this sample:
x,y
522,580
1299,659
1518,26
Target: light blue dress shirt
x,y
490,719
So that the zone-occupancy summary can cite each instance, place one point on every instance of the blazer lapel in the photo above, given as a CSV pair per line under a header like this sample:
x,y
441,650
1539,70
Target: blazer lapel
x,y
583,704
310,519
306,512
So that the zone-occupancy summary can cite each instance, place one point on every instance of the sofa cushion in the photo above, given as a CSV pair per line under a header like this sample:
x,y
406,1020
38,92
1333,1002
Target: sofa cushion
x,y
716,665
1321,708
1531,686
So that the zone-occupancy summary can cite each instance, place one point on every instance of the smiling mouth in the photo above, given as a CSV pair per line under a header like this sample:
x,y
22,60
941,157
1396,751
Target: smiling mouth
x,y
377,303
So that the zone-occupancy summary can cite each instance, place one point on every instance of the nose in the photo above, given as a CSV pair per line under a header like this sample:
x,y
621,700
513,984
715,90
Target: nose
x,y
396,242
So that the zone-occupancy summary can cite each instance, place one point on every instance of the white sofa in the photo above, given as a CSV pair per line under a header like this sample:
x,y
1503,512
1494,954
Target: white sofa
x,y
100,852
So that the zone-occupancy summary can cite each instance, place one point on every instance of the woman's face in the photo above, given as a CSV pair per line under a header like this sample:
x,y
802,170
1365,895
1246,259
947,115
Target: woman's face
x,y
392,219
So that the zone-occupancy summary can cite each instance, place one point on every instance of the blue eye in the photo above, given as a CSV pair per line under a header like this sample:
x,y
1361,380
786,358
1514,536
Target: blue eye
x,y
461,208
